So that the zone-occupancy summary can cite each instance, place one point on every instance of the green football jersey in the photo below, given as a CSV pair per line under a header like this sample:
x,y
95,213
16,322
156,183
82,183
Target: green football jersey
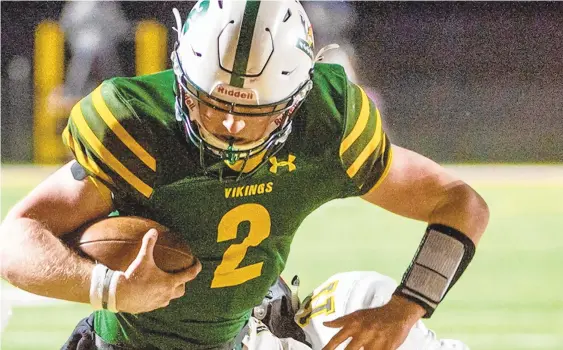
x,y
125,134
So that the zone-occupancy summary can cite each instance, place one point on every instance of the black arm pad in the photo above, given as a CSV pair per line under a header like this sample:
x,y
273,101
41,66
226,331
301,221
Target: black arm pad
x,y
441,258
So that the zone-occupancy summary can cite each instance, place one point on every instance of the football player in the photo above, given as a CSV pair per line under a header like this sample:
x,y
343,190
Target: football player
x,y
341,294
348,292
232,148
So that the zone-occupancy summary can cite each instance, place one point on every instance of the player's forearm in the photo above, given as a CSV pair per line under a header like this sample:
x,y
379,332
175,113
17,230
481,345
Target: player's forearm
x,y
456,224
463,209
33,259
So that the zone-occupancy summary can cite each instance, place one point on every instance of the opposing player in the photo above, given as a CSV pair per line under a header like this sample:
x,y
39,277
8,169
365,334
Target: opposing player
x,y
348,292
340,295
233,148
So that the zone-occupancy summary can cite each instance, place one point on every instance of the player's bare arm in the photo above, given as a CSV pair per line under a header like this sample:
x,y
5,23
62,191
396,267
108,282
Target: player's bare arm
x,y
417,188
34,259
191,147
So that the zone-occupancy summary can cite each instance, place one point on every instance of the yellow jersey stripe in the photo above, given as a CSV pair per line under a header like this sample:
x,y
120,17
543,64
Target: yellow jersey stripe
x,y
105,155
368,150
78,154
87,163
385,171
66,138
120,132
359,126
101,187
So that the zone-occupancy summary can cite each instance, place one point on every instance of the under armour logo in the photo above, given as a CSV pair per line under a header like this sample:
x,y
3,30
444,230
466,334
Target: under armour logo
x,y
289,164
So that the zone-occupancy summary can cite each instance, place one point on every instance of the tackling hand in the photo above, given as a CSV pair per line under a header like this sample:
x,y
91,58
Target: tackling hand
x,y
382,328
145,287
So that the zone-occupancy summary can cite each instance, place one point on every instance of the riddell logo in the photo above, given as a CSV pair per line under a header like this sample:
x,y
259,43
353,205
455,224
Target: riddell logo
x,y
235,93
189,102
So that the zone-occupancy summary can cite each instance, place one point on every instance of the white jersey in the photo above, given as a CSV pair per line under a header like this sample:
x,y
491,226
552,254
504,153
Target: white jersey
x,y
338,296
347,292
259,337
341,295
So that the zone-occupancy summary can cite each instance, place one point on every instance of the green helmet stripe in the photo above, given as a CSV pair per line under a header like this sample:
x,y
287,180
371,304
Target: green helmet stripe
x,y
244,43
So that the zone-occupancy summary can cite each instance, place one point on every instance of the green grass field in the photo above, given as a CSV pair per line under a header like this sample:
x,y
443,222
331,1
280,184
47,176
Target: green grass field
x,y
510,298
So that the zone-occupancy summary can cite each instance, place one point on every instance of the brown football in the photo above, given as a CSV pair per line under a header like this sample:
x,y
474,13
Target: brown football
x,y
116,241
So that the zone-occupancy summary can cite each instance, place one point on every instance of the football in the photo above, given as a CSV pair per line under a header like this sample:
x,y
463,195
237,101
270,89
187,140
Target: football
x,y
116,241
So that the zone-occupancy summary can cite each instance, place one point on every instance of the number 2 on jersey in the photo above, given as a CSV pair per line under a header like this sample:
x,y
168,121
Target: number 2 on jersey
x,y
228,274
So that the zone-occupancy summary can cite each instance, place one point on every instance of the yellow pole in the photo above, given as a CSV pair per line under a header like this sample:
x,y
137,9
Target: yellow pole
x,y
48,73
150,47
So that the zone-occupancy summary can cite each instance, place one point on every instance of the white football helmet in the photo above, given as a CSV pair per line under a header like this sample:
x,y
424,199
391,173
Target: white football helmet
x,y
252,59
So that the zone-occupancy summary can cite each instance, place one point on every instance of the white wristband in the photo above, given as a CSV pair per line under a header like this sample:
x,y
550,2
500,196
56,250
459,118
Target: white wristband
x,y
97,285
112,302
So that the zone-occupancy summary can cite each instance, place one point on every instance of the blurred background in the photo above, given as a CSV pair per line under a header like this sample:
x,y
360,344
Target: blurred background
x,y
475,85
447,75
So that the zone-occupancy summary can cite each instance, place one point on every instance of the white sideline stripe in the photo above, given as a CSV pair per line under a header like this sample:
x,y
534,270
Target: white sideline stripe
x,y
17,297
510,175
514,341
11,297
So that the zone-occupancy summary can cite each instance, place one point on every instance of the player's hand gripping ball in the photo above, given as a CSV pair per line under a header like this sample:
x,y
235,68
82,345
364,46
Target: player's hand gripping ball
x,y
156,263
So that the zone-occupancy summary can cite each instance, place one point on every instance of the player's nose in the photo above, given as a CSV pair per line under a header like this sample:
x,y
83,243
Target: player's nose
x,y
233,126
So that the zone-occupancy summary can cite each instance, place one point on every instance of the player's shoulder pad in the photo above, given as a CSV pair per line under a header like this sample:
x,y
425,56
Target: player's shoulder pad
x,y
365,150
322,112
110,141
330,73
330,86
